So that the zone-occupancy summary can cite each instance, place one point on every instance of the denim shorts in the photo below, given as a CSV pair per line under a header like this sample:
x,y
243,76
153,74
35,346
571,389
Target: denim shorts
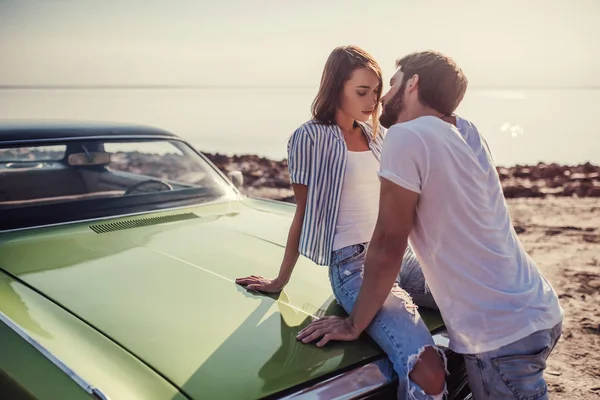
x,y
397,328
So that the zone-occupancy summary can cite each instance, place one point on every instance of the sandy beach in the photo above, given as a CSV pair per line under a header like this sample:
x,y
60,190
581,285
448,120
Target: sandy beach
x,y
556,211
563,237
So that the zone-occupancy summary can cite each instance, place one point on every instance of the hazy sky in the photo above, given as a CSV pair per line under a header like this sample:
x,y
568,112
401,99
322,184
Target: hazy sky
x,y
283,42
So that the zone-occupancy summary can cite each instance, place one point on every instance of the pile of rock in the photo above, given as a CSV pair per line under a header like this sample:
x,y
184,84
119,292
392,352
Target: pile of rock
x,y
262,175
258,171
550,179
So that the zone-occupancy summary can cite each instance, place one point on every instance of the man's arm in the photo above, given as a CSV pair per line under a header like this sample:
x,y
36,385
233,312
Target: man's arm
x,y
384,258
396,215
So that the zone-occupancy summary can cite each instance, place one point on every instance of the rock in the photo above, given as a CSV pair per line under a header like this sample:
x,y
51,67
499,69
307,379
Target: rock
x,y
519,229
554,183
543,171
522,172
594,283
553,232
522,191
590,238
281,182
594,191
503,173
257,173
553,171
589,168
569,189
578,176
568,335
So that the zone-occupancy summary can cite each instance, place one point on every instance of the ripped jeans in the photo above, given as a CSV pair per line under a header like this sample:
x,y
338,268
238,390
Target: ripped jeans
x,y
397,328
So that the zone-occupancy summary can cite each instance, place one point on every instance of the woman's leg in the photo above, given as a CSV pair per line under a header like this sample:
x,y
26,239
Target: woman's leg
x,y
397,328
412,280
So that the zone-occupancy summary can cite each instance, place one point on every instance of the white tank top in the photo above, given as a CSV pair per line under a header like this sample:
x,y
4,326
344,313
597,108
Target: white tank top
x,y
359,201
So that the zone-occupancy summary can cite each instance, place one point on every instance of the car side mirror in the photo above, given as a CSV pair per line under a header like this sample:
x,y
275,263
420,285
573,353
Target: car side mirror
x,y
236,177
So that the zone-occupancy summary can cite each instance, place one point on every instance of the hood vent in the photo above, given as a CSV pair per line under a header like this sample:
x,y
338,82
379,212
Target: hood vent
x,y
140,222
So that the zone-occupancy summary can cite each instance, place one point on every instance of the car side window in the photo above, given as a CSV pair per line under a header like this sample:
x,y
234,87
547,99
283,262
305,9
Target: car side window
x,y
32,154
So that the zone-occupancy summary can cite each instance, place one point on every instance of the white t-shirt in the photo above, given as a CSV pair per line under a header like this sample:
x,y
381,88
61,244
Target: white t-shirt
x,y
489,291
359,200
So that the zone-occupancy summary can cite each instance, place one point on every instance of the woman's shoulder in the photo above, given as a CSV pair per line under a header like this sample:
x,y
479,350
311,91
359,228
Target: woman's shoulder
x,y
312,128
316,130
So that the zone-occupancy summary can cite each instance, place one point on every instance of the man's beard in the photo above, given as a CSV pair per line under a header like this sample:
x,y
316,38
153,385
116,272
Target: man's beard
x,y
391,109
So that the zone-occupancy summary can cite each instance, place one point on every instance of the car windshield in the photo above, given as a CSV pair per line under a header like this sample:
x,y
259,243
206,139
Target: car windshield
x,y
104,177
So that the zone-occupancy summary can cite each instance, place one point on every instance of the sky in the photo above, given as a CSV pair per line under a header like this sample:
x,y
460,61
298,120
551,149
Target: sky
x,y
510,43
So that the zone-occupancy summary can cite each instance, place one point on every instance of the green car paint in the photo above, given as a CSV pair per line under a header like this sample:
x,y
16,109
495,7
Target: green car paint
x,y
146,295
30,369
98,360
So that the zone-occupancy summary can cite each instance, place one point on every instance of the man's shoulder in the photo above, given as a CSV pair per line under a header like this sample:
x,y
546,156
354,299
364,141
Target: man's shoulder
x,y
421,135
424,127
462,123
403,137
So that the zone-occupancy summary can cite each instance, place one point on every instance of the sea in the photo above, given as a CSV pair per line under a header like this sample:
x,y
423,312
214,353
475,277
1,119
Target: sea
x,y
521,125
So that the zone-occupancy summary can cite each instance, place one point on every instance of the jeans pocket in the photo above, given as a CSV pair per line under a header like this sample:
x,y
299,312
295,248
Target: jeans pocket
x,y
350,268
358,251
523,374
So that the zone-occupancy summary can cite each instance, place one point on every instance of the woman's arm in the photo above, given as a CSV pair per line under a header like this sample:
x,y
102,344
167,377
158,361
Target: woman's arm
x,y
300,150
293,242
291,255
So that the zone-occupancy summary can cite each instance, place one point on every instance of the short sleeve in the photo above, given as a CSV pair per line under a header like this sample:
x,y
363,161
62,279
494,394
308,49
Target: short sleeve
x,y
404,158
300,155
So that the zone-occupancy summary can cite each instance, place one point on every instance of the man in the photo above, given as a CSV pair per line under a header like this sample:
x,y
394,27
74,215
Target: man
x,y
440,189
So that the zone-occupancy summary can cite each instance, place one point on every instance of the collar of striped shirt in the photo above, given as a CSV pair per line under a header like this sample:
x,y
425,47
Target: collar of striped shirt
x,y
317,156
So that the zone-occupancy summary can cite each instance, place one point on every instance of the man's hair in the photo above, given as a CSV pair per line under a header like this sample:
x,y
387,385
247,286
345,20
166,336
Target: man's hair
x,y
442,84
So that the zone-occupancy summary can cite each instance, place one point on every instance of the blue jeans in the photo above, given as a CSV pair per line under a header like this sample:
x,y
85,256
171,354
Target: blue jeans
x,y
514,371
397,328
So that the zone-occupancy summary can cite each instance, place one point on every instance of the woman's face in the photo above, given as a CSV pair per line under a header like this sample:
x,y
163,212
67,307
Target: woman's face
x,y
360,94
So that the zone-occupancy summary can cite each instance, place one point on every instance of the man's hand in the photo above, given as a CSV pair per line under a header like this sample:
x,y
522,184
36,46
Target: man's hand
x,y
329,328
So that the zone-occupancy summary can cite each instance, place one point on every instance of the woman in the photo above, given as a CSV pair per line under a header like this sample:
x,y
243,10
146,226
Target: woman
x,y
333,162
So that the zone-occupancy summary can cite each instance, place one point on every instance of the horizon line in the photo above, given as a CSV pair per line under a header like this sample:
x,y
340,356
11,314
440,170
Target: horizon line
x,y
209,86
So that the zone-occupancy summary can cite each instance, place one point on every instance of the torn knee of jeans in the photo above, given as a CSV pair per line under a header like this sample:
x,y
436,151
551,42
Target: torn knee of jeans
x,y
415,392
403,295
414,358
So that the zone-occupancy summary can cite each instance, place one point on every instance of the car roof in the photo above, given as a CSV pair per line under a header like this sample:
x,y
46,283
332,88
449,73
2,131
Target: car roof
x,y
27,131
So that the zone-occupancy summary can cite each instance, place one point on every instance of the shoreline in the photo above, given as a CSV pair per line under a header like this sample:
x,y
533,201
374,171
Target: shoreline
x,y
264,177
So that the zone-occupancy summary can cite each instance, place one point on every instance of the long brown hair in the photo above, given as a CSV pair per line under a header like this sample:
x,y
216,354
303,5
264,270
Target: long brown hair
x,y
341,63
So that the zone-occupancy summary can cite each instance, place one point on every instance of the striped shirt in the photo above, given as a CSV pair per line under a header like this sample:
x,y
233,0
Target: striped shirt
x,y
317,155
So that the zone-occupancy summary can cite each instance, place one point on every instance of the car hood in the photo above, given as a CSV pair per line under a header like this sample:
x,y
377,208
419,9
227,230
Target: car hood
x,y
163,286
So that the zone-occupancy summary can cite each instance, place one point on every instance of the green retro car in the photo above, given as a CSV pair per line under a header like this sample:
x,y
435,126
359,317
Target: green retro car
x,y
119,248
